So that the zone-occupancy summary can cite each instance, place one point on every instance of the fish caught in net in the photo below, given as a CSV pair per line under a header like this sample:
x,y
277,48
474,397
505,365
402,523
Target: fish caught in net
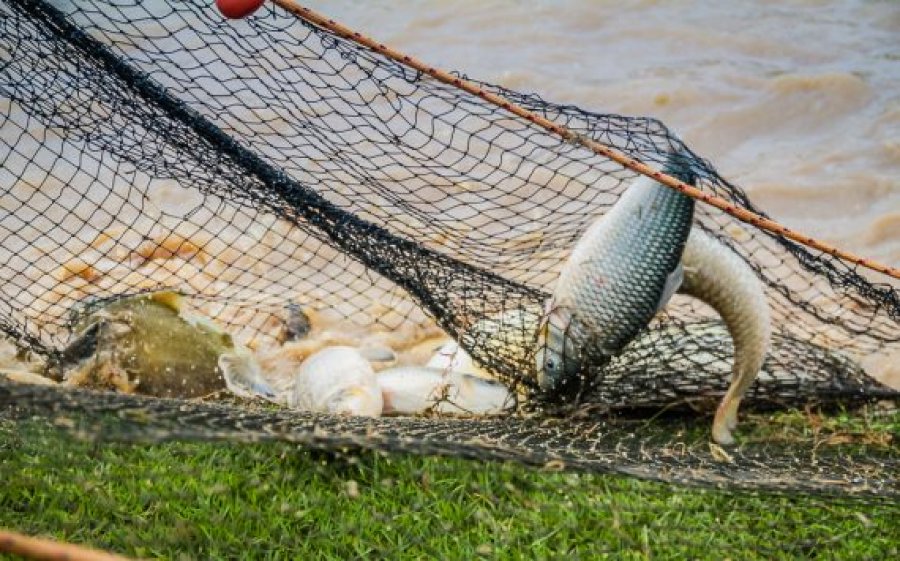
x,y
268,163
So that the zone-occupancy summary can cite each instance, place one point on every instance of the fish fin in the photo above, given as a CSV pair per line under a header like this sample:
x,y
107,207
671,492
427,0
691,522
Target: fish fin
x,y
673,283
84,345
297,324
560,317
168,298
243,376
209,326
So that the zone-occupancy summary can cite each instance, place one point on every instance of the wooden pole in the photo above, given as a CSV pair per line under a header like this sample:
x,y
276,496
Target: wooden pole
x,y
39,549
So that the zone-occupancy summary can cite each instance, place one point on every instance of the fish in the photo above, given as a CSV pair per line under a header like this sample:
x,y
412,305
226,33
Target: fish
x,y
719,277
716,275
621,272
452,357
379,356
506,335
243,376
414,390
145,344
280,364
337,380
14,358
423,352
25,377
297,324
626,268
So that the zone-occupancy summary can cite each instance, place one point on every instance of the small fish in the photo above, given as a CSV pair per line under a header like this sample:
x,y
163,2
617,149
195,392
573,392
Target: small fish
x,y
297,324
422,352
506,335
145,344
337,380
451,357
243,376
412,390
622,271
503,334
718,276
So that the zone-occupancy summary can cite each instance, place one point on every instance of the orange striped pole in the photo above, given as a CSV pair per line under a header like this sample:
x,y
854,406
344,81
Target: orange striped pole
x,y
730,208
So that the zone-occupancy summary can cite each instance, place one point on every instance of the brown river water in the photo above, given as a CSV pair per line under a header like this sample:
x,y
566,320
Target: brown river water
x,y
798,102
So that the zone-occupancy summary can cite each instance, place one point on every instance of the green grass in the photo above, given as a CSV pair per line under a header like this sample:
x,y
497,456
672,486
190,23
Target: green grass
x,y
217,501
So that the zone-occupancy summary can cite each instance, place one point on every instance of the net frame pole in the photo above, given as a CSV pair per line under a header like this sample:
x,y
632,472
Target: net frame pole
x,y
40,549
568,135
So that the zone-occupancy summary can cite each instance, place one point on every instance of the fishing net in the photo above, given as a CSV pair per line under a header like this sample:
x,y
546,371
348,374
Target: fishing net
x,y
268,162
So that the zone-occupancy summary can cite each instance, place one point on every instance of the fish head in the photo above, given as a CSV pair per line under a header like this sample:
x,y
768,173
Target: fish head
x,y
558,357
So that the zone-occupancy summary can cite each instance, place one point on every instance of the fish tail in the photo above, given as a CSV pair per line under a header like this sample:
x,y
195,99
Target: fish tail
x,y
719,277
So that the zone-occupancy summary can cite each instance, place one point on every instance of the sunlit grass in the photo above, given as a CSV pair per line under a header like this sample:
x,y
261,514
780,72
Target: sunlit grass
x,y
272,501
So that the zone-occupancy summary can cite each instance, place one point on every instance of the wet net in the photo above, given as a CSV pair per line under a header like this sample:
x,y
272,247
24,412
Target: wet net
x,y
254,164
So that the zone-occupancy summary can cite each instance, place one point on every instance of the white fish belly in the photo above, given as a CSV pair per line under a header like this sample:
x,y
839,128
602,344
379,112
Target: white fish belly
x,y
337,380
416,390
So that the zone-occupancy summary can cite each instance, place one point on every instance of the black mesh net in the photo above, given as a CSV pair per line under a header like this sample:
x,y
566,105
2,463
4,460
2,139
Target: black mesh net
x,y
254,164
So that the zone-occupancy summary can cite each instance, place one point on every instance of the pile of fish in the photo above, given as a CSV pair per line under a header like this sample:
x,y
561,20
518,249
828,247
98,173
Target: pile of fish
x,y
150,344
622,272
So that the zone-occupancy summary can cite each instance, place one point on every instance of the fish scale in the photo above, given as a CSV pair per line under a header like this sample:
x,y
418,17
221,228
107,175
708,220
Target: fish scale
x,y
620,273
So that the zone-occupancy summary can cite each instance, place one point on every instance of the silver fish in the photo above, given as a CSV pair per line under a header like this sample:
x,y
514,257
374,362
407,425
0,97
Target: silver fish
x,y
621,272
337,380
411,390
716,275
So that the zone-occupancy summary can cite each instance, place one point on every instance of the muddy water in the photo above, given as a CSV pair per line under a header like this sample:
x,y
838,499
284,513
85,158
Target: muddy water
x,y
797,102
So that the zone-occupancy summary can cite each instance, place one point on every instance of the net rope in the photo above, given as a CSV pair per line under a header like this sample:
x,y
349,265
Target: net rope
x,y
269,161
